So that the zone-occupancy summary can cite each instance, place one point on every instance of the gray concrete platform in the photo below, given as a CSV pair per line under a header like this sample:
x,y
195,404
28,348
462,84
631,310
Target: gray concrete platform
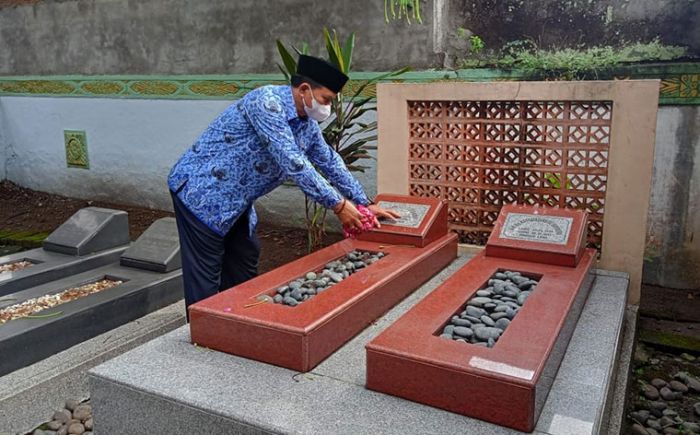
x,y
151,279
170,386
618,398
29,396
27,341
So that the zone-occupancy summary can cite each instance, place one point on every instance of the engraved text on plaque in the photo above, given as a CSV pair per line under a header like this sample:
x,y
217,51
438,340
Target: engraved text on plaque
x,y
537,228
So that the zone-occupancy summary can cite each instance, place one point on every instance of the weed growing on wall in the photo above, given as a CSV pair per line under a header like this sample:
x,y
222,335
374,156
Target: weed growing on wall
x,y
572,63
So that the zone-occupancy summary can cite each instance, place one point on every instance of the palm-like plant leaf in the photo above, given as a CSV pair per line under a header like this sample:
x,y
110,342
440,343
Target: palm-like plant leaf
x,y
304,48
347,51
284,72
289,63
332,48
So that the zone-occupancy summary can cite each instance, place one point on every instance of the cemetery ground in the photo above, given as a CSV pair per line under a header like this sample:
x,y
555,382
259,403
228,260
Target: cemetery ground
x,y
28,216
663,394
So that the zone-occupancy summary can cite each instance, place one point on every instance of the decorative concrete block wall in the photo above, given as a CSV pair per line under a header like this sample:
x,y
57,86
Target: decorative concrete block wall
x,y
585,145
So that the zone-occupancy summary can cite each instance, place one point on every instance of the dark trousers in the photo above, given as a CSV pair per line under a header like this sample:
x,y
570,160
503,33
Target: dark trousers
x,y
210,262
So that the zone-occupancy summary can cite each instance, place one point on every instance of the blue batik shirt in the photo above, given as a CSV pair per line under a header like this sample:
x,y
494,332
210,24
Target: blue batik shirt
x,y
252,147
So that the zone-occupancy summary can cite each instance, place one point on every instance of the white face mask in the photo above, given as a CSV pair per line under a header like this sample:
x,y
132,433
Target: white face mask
x,y
317,111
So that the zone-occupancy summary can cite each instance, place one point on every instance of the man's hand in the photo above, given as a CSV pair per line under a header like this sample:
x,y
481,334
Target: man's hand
x,y
348,215
382,213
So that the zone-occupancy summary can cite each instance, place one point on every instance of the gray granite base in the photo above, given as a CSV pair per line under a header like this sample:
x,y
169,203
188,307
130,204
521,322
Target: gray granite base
x,y
618,410
50,266
27,341
29,396
170,386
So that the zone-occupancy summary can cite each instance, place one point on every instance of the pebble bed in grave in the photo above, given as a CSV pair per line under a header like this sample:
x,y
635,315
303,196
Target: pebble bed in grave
x,y
14,267
665,397
314,283
32,306
488,313
74,419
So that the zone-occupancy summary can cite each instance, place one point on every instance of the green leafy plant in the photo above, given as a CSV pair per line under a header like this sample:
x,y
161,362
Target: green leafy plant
x,y
651,252
567,64
554,181
475,48
518,46
477,44
574,63
345,132
397,9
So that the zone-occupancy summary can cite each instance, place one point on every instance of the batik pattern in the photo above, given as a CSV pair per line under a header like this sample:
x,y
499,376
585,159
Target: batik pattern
x,y
251,148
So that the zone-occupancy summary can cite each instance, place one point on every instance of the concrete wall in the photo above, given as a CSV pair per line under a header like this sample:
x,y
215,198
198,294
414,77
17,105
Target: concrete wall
x,y
673,253
571,23
41,37
630,156
132,144
196,37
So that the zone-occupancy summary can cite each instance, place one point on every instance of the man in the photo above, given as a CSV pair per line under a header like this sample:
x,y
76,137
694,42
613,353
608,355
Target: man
x,y
269,136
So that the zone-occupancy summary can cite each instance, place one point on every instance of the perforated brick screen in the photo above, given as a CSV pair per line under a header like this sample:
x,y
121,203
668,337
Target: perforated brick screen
x,y
480,155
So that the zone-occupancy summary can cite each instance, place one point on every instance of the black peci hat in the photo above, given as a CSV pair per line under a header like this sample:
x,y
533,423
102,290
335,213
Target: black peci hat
x,y
321,72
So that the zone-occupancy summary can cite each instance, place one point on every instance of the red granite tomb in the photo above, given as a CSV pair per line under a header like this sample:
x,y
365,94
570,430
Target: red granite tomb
x,y
244,321
507,383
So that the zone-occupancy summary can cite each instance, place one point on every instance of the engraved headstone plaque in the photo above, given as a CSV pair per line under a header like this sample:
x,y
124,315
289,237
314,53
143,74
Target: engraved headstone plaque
x,y
412,215
422,221
555,236
537,228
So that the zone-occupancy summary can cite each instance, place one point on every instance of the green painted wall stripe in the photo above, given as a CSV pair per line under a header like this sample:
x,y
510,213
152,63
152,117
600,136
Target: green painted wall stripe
x,y
680,83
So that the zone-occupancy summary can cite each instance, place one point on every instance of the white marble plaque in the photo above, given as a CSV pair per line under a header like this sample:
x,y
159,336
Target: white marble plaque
x,y
412,215
537,228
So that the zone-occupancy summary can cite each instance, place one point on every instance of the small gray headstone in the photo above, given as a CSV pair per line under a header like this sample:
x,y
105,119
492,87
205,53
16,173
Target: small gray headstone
x,y
412,215
90,229
157,249
537,228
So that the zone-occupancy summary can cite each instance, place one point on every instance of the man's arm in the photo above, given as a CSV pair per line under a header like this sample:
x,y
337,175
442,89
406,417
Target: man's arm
x,y
267,116
333,167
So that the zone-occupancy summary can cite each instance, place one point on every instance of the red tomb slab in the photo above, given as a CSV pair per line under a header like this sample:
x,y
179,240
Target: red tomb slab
x,y
539,234
423,220
240,322
508,383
